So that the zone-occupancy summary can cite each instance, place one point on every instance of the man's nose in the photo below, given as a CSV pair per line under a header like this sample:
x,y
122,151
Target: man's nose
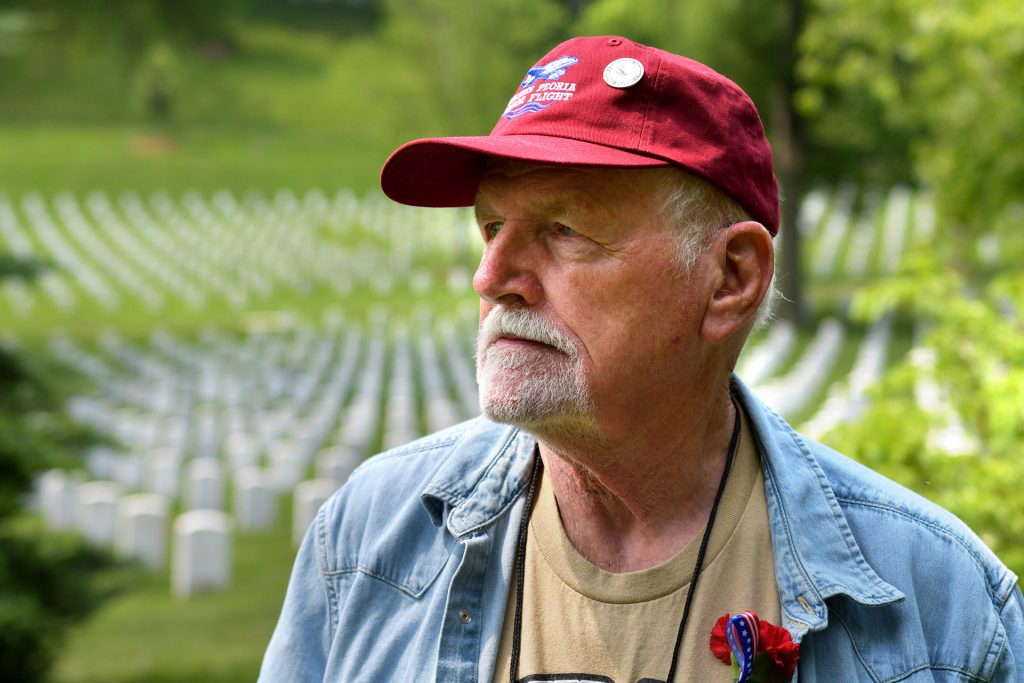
x,y
507,273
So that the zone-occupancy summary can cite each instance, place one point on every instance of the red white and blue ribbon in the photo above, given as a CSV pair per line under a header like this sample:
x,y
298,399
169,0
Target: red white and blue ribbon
x,y
741,633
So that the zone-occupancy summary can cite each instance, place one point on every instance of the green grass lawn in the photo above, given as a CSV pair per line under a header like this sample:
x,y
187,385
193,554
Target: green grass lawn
x,y
85,157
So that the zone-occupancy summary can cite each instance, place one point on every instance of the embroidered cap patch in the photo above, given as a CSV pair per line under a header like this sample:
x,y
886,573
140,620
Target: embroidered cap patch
x,y
534,95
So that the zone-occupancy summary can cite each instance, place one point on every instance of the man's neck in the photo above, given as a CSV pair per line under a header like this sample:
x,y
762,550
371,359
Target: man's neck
x,y
632,505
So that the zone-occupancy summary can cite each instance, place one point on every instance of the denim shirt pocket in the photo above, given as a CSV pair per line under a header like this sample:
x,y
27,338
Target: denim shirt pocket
x,y
399,546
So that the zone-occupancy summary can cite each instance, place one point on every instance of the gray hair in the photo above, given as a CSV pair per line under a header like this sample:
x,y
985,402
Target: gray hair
x,y
700,210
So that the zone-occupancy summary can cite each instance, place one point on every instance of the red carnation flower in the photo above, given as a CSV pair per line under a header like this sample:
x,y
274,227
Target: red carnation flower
x,y
719,645
772,640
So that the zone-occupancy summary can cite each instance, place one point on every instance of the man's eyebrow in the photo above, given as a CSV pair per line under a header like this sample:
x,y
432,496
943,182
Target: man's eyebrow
x,y
555,205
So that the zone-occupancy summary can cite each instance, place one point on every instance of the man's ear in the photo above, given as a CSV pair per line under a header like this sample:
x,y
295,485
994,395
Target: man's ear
x,y
744,261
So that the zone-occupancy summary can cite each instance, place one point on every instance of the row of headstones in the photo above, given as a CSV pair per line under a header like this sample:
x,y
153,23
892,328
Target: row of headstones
x,y
207,251
252,382
296,371
289,448
163,393
790,393
17,244
99,252
227,250
848,399
875,238
441,411
136,525
398,234
204,490
828,223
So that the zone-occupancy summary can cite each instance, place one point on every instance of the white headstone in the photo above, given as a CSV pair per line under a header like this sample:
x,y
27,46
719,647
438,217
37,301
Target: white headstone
x,y
254,499
202,553
97,510
57,499
163,465
142,528
205,485
242,449
309,496
128,470
287,465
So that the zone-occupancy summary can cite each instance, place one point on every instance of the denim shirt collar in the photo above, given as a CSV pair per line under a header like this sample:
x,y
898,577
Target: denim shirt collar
x,y
488,470
816,555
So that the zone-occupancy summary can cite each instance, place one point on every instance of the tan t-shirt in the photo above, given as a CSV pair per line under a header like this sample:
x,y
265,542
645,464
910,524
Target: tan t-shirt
x,y
581,623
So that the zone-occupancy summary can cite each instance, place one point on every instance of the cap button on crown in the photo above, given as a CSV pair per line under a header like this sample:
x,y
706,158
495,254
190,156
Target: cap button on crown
x,y
614,41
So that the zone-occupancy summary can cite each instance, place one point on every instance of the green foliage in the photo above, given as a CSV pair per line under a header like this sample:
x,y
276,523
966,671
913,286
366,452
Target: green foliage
x,y
80,58
24,269
47,581
25,413
469,57
705,31
947,75
130,24
157,82
977,367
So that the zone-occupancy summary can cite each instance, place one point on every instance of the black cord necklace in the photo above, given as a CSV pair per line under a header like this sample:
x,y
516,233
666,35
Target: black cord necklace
x,y
524,524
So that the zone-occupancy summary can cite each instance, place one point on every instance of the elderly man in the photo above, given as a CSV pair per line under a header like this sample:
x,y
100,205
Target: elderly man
x,y
624,491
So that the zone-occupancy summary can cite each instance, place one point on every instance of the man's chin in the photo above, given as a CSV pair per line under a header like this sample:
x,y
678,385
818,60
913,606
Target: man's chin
x,y
533,411
531,395
529,421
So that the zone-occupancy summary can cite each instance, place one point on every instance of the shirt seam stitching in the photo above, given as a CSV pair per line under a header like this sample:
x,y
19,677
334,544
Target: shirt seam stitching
x,y
937,528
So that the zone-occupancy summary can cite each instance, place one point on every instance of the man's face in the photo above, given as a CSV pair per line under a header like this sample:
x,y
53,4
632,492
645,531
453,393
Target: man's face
x,y
585,314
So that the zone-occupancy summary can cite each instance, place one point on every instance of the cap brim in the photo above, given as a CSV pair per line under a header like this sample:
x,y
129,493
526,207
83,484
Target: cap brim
x,y
442,172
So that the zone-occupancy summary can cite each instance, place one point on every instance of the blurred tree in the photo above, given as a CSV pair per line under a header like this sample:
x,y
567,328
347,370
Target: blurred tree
x,y
47,580
950,75
156,83
470,55
131,25
70,53
22,268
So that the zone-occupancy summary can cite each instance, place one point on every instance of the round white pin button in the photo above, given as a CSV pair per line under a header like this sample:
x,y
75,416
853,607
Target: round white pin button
x,y
623,73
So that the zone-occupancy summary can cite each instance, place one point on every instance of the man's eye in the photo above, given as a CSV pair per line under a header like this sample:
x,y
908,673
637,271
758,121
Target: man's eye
x,y
566,231
491,229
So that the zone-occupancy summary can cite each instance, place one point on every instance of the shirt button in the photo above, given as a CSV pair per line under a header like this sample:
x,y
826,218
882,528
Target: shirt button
x,y
465,616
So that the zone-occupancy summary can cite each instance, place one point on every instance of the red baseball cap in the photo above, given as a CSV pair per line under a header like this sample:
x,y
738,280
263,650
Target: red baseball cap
x,y
605,101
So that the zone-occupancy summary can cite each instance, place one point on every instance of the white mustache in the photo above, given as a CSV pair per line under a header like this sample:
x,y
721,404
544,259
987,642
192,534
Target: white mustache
x,y
523,323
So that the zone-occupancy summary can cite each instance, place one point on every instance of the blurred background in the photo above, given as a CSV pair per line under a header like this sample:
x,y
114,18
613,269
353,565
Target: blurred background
x,y
209,314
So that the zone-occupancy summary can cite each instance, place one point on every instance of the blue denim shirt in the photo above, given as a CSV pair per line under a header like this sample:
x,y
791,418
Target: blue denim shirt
x,y
405,573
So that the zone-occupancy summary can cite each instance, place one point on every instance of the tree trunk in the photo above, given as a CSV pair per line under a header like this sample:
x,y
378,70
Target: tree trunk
x,y
790,144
